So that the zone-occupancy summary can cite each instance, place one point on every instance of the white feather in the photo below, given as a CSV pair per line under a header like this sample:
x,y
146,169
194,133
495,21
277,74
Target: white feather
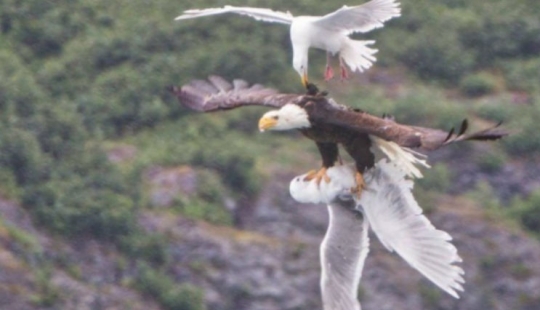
x,y
390,209
329,32
327,193
397,220
343,251
404,158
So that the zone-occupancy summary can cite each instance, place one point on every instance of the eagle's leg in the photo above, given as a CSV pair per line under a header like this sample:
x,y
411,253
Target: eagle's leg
x,y
359,149
328,72
329,153
343,68
360,184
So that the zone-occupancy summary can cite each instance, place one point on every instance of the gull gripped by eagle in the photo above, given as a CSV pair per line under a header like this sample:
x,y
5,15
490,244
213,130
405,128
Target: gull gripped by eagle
x,y
369,194
392,213
329,32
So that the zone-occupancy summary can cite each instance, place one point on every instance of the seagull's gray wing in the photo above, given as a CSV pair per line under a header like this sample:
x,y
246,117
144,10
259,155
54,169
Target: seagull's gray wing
x,y
343,252
398,222
361,18
265,15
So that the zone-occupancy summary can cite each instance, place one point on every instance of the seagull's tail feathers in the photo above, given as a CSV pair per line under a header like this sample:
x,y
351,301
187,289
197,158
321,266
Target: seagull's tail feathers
x,y
397,220
357,55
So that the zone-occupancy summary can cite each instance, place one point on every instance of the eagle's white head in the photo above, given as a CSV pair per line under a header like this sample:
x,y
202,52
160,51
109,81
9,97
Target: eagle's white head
x,y
290,116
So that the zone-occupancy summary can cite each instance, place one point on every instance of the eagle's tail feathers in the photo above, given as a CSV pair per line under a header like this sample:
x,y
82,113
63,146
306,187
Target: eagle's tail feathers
x,y
489,134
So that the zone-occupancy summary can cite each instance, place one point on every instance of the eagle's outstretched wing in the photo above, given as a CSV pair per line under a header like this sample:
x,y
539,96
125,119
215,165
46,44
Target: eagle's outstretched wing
x,y
387,129
218,94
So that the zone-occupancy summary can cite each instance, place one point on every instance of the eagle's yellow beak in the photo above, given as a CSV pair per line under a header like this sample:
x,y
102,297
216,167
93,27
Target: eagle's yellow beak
x,y
267,123
305,79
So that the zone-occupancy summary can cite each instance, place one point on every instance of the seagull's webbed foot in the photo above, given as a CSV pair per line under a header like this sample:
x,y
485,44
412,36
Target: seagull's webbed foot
x,y
317,176
344,73
360,185
328,73
343,69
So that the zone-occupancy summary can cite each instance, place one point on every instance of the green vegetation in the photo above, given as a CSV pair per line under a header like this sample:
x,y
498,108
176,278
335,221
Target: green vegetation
x,y
436,179
478,84
431,296
491,162
79,76
48,294
169,294
527,211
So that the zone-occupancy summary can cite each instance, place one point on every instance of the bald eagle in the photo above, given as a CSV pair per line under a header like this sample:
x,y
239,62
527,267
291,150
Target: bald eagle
x,y
328,123
329,32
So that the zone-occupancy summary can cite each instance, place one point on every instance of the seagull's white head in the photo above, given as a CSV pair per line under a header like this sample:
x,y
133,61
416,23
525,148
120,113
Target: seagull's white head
x,y
290,116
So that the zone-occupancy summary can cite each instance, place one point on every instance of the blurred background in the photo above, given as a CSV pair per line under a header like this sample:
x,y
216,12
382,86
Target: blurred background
x,y
113,196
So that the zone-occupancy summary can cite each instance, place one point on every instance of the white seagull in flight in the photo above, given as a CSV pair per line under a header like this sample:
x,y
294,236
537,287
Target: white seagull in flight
x,y
388,207
329,32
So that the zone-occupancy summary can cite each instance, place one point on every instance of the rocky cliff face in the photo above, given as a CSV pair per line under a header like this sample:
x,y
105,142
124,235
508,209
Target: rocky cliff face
x,y
272,263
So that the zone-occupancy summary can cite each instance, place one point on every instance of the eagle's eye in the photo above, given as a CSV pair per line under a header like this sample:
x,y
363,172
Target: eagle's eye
x,y
275,117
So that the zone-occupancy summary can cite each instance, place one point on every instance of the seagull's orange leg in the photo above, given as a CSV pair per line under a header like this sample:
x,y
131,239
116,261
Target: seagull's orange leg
x,y
328,72
318,176
344,72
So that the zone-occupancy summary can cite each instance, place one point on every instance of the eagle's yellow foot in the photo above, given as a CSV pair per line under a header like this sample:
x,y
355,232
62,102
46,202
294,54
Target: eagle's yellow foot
x,y
318,176
360,184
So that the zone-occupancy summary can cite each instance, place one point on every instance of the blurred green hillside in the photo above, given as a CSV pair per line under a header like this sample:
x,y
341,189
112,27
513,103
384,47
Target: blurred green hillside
x,y
79,78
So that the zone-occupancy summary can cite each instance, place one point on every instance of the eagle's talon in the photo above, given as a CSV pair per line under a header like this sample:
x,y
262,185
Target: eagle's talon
x,y
317,176
360,185
310,175
326,178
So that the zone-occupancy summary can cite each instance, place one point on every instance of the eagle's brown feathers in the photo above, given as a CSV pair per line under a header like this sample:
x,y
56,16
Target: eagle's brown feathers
x,y
218,94
331,123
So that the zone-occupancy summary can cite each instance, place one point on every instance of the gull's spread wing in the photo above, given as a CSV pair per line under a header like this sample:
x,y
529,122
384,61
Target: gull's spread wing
x,y
361,18
218,94
343,252
265,15
398,222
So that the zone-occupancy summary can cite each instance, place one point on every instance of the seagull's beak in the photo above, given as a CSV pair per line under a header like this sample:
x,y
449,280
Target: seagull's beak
x,y
305,79
266,123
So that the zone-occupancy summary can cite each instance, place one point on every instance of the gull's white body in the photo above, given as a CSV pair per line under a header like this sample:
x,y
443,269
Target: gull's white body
x,y
388,207
329,32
